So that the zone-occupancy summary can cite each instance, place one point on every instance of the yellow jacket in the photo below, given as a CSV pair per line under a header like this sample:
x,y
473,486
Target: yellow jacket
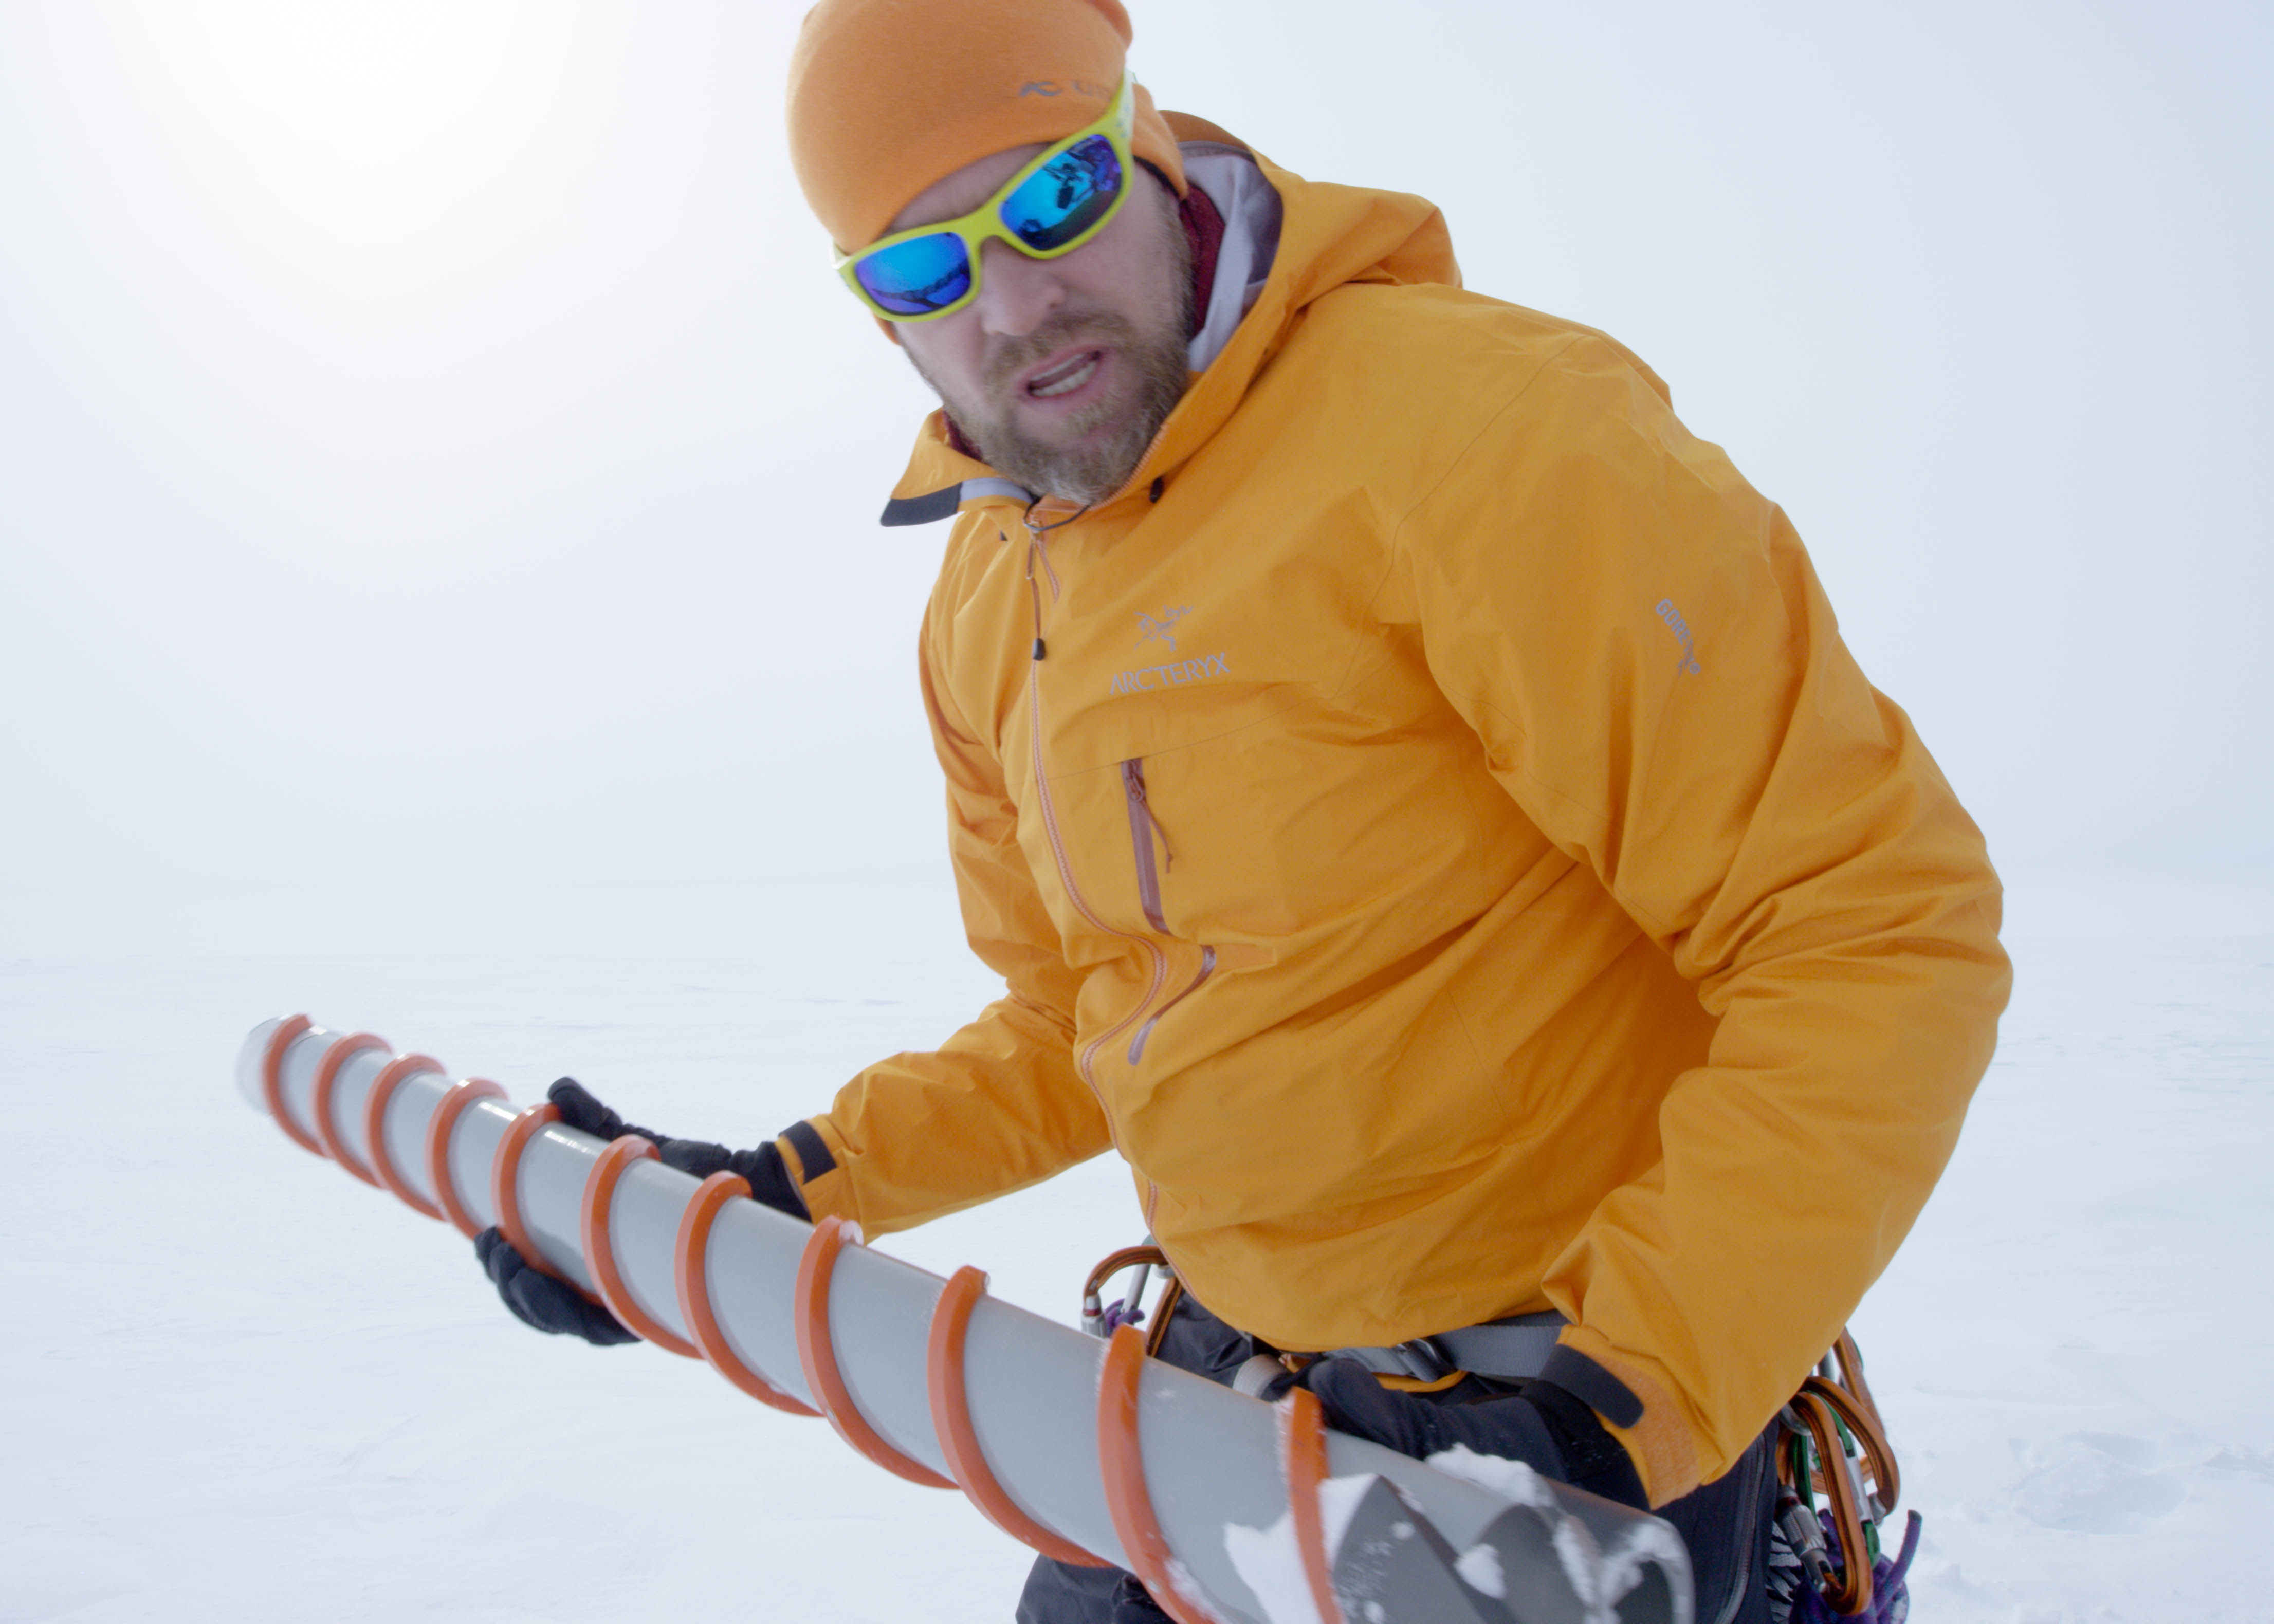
x,y
1446,849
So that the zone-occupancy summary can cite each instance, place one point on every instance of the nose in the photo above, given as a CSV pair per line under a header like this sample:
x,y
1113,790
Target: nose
x,y
1016,294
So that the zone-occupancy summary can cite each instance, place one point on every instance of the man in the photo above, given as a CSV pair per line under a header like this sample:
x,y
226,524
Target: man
x,y
1414,790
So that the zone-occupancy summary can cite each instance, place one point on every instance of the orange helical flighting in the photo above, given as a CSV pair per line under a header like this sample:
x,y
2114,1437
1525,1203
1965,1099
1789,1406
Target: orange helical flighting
x,y
1088,1451
959,1440
817,1352
691,1273
1303,1441
390,1077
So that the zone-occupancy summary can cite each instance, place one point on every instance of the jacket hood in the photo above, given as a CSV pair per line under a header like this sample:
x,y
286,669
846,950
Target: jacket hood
x,y
1329,235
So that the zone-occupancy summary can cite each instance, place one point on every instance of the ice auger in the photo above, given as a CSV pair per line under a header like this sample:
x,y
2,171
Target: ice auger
x,y
1231,1510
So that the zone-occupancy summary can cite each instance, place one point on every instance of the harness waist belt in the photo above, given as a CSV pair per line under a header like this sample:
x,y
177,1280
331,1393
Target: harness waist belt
x,y
1512,1350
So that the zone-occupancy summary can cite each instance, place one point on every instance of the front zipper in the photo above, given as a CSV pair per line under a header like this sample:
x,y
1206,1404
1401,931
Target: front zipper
x,y
1142,829
1086,1063
1036,549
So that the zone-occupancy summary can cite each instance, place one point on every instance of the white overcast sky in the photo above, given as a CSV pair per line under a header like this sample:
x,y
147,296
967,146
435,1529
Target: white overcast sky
x,y
435,456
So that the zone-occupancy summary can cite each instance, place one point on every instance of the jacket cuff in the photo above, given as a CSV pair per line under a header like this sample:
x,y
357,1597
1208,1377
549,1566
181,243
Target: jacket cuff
x,y
1636,1408
816,1159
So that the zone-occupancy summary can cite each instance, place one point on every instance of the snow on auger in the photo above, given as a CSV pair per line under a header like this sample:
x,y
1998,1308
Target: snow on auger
x,y
1231,1510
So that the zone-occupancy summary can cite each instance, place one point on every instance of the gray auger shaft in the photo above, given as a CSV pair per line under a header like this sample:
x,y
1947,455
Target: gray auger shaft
x,y
1232,1510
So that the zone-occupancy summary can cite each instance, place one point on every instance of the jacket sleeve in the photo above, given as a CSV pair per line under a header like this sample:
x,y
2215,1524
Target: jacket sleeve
x,y
999,1105
1638,638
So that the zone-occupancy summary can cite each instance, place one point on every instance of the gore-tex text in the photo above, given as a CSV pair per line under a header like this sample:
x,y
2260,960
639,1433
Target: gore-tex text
x,y
1176,675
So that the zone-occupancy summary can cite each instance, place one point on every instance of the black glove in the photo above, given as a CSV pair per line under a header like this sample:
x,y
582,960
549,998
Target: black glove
x,y
1540,1424
762,1169
538,1300
580,1111
1133,1603
555,1307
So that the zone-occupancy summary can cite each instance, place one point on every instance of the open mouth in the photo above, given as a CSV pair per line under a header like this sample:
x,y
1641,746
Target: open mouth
x,y
1068,376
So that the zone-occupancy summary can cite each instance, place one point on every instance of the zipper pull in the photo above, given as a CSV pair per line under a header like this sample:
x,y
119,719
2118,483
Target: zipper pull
x,y
1132,779
1035,587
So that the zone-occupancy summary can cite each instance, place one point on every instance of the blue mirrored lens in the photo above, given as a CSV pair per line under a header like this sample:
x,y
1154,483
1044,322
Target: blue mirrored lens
x,y
1065,199
916,277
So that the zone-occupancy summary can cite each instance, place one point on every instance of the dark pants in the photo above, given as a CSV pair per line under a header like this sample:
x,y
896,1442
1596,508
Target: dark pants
x,y
1726,1524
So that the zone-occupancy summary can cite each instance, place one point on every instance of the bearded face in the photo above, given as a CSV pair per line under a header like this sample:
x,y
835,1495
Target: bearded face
x,y
1061,372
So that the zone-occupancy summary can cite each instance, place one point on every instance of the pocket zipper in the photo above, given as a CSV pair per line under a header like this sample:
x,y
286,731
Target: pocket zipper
x,y
1142,829
1207,969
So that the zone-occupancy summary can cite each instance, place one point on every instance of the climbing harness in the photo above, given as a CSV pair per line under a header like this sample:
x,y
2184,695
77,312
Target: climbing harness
x,y
1101,1321
1511,1350
1837,1482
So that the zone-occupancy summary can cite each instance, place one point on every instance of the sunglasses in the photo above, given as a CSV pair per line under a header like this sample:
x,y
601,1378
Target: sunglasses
x,y
1051,206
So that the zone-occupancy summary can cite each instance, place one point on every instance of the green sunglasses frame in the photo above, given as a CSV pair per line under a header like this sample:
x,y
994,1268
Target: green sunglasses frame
x,y
985,223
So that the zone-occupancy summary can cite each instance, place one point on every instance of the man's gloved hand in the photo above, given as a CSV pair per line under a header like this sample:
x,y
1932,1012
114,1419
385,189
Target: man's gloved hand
x,y
1133,1603
762,1169
555,1306
1540,1424
541,1302
580,1111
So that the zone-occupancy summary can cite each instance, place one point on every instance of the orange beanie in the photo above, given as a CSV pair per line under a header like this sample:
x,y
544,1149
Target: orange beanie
x,y
887,96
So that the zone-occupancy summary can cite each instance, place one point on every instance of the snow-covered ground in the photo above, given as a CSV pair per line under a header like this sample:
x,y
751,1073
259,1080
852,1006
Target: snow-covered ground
x,y
235,1383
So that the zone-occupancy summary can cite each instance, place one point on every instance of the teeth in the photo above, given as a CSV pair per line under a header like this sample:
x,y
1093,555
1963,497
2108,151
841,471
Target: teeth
x,y
1066,383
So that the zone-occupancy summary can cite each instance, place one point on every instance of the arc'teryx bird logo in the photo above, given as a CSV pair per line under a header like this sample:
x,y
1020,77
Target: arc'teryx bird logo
x,y
1161,630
